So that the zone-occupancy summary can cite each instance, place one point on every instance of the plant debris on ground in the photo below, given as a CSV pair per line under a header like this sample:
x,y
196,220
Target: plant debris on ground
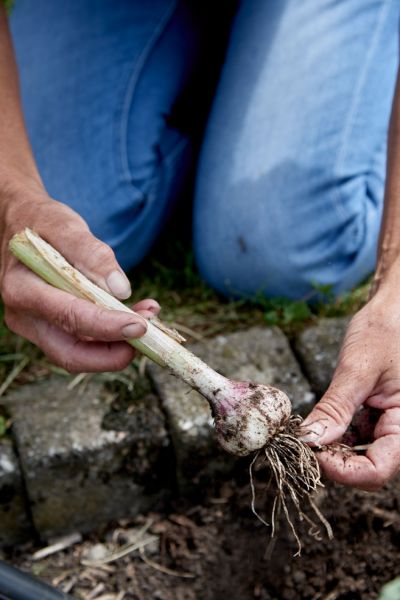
x,y
215,548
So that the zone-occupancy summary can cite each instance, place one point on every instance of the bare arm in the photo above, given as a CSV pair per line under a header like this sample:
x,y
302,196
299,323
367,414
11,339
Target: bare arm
x,y
73,333
368,371
389,242
16,159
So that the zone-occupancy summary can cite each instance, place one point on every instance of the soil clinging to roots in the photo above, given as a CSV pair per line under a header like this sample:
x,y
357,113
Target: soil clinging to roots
x,y
295,477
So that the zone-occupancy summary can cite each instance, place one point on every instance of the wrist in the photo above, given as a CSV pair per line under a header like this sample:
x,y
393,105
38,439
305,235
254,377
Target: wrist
x,y
386,282
15,187
20,200
387,273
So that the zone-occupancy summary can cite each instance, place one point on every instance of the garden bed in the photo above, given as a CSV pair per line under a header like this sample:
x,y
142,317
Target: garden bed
x,y
214,548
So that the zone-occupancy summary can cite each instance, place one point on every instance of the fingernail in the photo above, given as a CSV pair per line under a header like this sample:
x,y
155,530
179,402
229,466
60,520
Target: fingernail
x,y
119,285
313,431
134,330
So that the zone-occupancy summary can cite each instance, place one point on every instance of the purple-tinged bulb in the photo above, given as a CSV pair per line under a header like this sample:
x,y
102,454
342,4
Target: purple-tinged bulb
x,y
247,415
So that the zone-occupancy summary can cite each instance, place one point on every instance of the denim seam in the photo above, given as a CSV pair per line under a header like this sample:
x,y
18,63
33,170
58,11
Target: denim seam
x,y
167,161
172,156
123,114
339,201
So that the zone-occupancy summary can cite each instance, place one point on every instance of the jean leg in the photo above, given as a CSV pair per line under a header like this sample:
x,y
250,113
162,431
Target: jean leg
x,y
291,178
99,82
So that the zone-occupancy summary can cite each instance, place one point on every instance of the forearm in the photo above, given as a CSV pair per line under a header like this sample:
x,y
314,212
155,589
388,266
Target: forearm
x,y
16,159
388,264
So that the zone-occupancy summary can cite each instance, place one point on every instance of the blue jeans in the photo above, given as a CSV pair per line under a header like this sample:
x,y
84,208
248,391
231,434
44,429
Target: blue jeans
x,y
291,175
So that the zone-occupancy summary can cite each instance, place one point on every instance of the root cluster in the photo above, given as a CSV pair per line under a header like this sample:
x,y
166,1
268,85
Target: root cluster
x,y
295,476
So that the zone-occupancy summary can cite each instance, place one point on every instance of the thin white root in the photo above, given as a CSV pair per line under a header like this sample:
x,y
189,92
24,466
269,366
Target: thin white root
x,y
296,477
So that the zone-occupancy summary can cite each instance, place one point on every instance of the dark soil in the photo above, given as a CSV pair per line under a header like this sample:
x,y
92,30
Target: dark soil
x,y
217,550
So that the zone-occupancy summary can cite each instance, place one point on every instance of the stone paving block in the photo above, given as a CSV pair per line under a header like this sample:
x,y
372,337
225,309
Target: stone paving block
x,y
318,347
258,354
15,525
78,473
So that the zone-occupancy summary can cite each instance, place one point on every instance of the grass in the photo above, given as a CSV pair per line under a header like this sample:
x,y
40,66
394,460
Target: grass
x,y
188,304
187,300
8,4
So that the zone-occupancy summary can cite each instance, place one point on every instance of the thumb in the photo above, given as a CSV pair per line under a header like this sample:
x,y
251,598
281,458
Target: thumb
x,y
91,256
332,415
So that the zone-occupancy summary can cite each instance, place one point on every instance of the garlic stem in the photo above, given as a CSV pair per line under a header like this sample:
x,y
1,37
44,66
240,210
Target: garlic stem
x,y
156,344
246,414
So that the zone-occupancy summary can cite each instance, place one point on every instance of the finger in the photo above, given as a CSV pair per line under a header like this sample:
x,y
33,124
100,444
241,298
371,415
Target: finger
x,y
369,472
87,253
148,305
352,383
80,318
379,465
388,423
386,398
74,355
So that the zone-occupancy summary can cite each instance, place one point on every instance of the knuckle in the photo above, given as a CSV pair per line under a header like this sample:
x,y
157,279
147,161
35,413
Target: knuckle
x,y
71,224
9,291
351,368
100,322
60,354
67,318
336,408
102,253
70,367
65,235
7,295
68,363
11,321
346,362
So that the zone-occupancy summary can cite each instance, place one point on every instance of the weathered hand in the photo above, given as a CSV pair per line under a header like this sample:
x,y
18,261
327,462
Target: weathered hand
x,y
368,373
73,333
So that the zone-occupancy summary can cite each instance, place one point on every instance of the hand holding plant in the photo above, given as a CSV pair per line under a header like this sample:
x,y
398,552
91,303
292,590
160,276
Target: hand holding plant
x,y
73,333
368,374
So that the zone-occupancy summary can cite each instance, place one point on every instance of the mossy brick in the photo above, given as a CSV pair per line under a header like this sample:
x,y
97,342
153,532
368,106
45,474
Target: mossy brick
x,y
80,471
318,348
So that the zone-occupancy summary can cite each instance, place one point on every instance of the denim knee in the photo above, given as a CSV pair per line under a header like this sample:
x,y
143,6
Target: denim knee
x,y
285,232
290,185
